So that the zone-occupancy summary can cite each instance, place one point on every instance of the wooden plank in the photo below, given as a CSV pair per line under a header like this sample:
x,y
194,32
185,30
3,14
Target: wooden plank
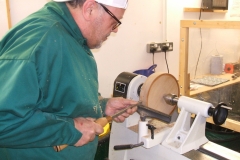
x,y
217,11
191,9
203,10
208,88
183,64
210,24
229,123
8,14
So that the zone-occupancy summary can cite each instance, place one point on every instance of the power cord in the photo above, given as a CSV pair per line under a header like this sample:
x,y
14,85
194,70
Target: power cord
x,y
199,55
200,13
164,49
153,50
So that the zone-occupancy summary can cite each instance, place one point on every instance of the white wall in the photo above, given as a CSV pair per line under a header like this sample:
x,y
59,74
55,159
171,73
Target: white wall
x,y
143,23
126,50
3,18
20,9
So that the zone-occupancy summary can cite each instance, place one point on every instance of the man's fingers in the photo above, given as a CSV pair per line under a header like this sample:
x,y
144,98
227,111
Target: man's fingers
x,y
91,119
99,130
119,119
122,117
129,112
88,128
132,110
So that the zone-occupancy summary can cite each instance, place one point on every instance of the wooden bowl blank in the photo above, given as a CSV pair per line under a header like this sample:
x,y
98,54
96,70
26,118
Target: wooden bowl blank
x,y
155,87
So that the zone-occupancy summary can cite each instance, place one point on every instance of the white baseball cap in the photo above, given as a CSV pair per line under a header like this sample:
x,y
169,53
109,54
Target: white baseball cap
x,y
113,3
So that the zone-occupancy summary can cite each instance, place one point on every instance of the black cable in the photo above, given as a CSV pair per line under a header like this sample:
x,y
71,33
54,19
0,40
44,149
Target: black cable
x,y
153,52
165,48
153,57
166,61
200,14
199,53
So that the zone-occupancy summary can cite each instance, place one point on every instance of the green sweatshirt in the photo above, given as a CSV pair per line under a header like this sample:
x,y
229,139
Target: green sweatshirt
x,y
48,77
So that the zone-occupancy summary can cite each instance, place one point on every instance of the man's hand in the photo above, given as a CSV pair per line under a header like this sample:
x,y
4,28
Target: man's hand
x,y
118,103
88,128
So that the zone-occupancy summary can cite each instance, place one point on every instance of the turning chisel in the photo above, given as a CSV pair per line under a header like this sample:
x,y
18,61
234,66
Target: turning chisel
x,y
103,121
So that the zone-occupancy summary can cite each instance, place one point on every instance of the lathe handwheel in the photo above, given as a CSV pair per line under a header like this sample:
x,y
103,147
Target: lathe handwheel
x,y
220,114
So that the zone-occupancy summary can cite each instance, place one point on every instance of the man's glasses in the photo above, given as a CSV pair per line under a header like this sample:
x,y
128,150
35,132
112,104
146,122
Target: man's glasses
x,y
112,15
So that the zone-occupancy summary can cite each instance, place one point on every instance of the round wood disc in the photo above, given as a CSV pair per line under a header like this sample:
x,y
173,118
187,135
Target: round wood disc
x,y
155,87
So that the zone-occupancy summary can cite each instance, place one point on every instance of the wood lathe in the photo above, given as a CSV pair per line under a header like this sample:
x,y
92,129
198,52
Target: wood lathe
x,y
158,130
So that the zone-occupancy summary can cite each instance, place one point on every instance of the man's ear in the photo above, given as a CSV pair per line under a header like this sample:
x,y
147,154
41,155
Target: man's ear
x,y
88,9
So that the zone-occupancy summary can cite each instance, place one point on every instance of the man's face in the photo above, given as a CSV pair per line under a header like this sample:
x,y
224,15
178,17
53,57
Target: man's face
x,y
103,26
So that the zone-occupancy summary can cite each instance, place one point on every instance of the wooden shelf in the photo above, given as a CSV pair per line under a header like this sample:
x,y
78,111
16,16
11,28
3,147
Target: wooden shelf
x,y
8,14
185,25
184,77
207,88
229,123
204,10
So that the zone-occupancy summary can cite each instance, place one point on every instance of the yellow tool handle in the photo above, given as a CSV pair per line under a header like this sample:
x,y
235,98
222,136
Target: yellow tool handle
x,y
103,121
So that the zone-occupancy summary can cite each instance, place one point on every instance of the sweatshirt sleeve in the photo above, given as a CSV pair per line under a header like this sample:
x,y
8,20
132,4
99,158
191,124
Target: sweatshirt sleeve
x,y
23,124
27,116
103,103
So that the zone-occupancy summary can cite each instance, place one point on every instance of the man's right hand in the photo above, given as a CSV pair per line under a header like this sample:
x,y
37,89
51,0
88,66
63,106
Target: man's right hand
x,y
88,128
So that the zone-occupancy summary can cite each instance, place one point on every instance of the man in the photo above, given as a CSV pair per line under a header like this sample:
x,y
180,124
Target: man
x,y
49,82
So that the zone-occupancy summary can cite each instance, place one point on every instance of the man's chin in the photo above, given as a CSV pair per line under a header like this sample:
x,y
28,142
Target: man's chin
x,y
95,46
98,45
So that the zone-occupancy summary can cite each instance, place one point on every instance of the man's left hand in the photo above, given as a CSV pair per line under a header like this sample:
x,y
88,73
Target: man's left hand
x,y
116,104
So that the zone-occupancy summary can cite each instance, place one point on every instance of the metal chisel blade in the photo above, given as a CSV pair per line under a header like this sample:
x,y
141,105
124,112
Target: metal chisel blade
x,y
125,109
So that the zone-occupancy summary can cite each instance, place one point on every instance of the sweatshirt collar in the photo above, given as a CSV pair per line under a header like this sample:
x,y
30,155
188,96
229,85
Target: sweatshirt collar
x,y
67,21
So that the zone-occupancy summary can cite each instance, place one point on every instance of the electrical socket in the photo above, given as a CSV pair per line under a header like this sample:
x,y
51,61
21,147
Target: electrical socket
x,y
157,47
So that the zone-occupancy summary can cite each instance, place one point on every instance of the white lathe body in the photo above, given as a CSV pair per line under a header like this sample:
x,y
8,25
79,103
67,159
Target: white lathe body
x,y
180,139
